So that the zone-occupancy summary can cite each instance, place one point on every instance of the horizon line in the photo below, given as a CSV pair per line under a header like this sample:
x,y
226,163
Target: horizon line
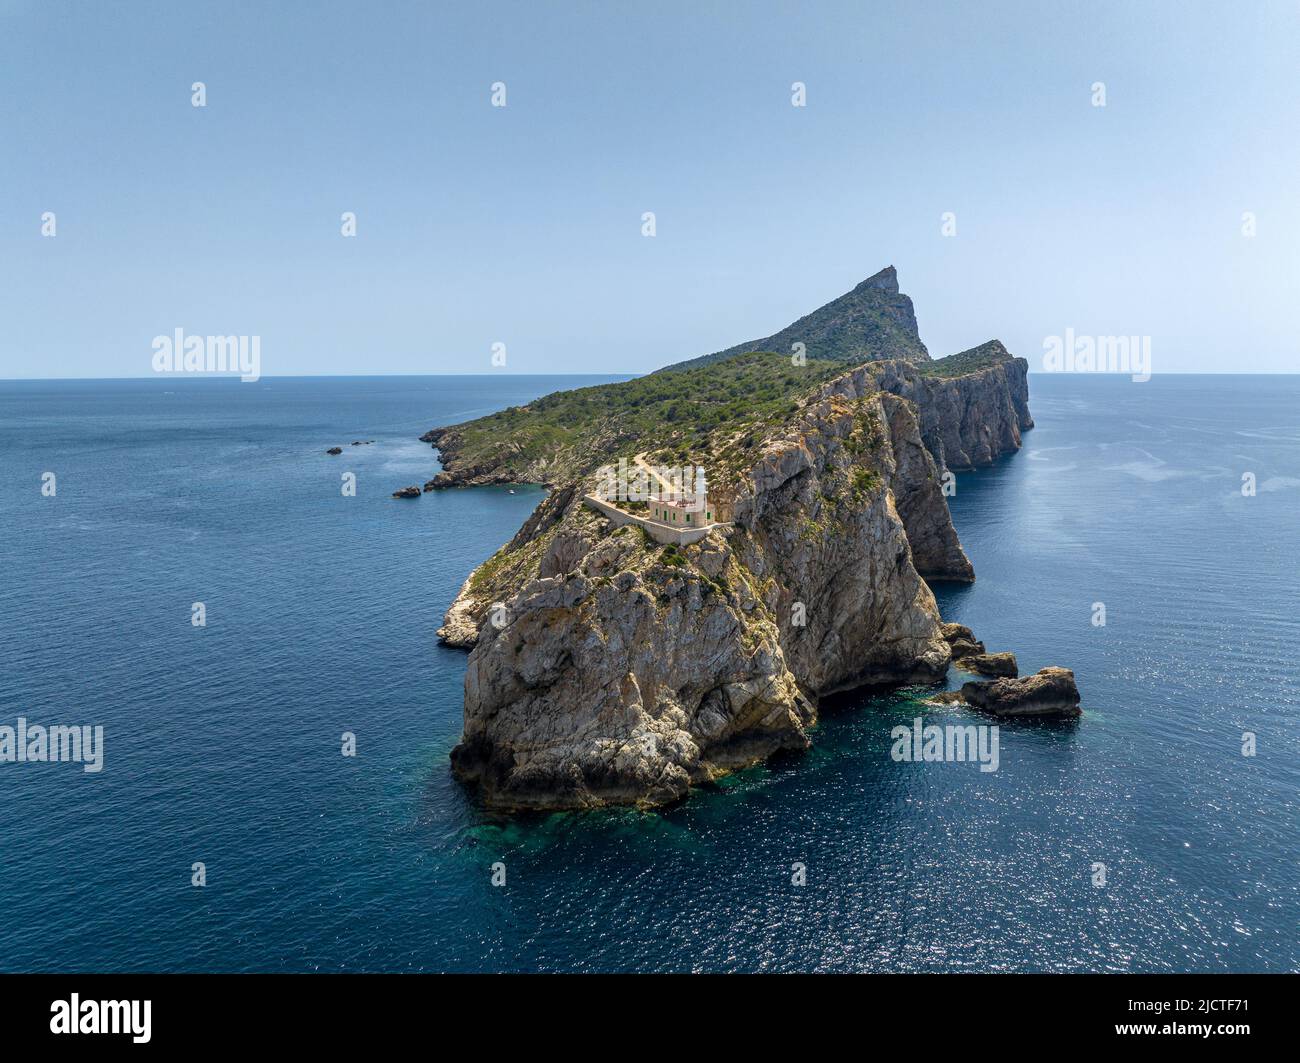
x,y
516,373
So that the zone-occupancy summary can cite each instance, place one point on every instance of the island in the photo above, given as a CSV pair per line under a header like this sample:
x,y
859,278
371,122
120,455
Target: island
x,y
725,542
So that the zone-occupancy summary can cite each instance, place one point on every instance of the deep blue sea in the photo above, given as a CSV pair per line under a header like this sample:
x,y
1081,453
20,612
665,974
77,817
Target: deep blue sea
x,y
222,743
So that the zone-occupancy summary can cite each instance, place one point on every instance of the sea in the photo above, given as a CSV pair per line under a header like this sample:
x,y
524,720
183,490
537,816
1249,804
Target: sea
x,y
1147,535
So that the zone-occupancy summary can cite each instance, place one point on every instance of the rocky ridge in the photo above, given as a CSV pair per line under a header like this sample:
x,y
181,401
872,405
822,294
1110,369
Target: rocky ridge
x,y
875,320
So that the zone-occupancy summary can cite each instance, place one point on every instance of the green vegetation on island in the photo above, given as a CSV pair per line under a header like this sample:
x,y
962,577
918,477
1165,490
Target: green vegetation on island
x,y
710,409
971,361
670,415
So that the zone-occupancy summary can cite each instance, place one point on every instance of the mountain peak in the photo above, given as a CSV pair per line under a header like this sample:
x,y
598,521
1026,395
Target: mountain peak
x,y
886,281
872,322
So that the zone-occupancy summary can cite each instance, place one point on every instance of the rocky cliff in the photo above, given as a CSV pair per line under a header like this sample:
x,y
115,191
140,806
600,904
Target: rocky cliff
x,y
625,672
973,405
605,668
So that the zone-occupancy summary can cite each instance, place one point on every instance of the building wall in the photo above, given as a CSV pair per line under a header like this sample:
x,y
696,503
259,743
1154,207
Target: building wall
x,y
677,517
658,531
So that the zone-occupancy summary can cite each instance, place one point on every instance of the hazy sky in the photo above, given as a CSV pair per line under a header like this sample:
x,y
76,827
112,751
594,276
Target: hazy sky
x,y
522,224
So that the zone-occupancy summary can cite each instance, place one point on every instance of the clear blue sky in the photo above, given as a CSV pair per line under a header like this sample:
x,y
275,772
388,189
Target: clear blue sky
x,y
523,224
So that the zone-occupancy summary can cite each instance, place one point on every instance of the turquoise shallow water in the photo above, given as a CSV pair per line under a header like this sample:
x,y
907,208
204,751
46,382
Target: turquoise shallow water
x,y
222,743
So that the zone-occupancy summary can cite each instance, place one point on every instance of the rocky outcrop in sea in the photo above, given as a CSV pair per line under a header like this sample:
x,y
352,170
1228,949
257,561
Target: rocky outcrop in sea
x,y
1048,692
605,668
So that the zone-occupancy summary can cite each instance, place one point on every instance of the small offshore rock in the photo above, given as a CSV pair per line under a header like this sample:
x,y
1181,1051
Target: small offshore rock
x,y
948,697
334,450
407,492
1049,692
995,664
961,640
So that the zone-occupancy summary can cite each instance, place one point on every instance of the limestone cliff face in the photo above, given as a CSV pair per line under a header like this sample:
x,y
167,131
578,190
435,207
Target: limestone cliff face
x,y
626,679
936,550
967,420
620,671
820,518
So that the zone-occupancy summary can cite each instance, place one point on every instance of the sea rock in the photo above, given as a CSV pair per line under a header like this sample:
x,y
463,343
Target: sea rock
x,y
999,664
334,450
948,697
1049,692
607,670
961,640
407,492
